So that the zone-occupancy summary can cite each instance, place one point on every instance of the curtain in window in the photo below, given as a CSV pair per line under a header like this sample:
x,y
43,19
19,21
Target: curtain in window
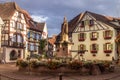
x,y
19,38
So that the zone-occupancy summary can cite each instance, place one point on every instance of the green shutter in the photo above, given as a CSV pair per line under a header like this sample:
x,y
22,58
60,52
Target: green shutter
x,y
78,36
104,47
78,47
84,47
91,47
90,35
111,46
84,35
97,47
103,34
97,35
111,33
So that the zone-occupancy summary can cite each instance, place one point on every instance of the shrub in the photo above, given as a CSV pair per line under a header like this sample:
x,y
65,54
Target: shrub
x,y
53,64
75,65
18,62
22,63
88,65
34,64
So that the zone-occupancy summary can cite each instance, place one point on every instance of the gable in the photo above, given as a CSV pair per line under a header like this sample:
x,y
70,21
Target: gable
x,y
90,23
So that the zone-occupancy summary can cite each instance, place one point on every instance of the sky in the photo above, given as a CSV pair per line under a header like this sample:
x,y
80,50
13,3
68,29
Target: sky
x,y
53,11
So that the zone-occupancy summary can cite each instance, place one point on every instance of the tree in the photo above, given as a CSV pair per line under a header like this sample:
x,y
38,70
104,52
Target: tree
x,y
42,46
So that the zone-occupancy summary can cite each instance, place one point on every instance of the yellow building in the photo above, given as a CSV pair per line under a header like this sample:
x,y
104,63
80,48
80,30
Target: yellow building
x,y
94,36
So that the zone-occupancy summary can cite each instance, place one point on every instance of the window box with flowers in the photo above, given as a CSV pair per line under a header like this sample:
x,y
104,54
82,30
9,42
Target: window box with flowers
x,y
94,36
94,49
107,47
81,36
107,51
107,34
81,49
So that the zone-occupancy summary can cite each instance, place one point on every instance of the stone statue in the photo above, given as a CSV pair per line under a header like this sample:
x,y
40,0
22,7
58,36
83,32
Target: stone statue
x,y
64,30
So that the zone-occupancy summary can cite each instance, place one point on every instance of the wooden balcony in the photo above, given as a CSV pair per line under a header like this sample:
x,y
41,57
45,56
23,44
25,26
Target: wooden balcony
x,y
5,32
4,43
17,45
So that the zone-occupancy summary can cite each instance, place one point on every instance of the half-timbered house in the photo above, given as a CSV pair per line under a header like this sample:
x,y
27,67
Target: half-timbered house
x,y
20,33
94,36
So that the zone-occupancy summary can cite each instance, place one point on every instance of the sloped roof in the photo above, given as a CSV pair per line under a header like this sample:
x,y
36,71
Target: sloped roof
x,y
105,19
35,26
52,40
8,9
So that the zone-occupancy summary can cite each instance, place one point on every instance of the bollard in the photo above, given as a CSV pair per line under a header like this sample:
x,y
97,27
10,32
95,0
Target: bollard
x,y
60,76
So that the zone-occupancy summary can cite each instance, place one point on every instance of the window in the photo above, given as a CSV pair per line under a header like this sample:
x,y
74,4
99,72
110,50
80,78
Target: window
x,y
107,47
37,36
107,34
81,48
19,26
32,47
81,36
94,48
91,23
14,38
82,24
33,35
28,34
19,39
94,36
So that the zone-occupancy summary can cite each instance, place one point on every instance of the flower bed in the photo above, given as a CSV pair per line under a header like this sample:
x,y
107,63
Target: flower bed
x,y
70,67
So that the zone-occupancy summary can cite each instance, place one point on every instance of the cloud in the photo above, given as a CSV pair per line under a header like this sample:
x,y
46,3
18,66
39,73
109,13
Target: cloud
x,y
53,11
39,18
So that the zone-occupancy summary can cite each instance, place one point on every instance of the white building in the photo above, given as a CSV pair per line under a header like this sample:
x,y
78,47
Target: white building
x,y
20,34
94,36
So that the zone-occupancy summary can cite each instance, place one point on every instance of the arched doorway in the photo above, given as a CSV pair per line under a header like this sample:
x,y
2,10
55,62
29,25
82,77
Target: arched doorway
x,y
13,55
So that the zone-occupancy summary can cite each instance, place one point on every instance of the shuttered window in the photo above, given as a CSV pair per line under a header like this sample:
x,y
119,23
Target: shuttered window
x,y
94,48
108,47
94,35
108,34
81,36
81,48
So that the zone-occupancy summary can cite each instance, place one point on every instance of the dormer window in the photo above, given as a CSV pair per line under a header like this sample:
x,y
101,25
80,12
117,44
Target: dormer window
x,y
82,24
91,23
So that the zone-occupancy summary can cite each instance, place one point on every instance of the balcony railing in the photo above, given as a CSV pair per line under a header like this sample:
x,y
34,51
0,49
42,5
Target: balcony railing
x,y
17,45
4,43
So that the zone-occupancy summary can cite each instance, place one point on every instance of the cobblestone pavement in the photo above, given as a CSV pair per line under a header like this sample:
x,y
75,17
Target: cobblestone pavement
x,y
11,70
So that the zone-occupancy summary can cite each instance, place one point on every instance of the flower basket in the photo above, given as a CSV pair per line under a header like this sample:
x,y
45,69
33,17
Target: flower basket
x,y
107,51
